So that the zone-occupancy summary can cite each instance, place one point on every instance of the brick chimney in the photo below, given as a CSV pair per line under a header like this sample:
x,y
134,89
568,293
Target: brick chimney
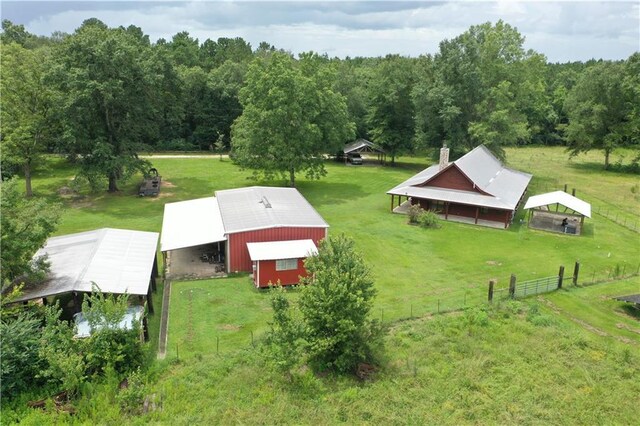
x,y
444,156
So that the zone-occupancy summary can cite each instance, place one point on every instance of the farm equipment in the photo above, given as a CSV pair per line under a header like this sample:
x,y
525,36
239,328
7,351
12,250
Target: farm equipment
x,y
151,184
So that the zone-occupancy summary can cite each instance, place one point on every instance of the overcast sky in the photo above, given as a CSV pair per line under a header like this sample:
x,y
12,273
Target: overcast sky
x,y
563,31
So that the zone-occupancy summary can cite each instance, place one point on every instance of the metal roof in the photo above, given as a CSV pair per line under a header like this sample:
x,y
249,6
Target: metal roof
x,y
274,250
191,223
504,185
362,144
261,207
117,260
632,298
559,197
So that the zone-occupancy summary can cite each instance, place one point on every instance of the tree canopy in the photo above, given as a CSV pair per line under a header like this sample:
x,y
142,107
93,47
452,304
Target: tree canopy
x,y
291,117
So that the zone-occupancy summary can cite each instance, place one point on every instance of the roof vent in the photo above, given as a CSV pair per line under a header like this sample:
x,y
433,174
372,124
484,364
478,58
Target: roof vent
x,y
265,202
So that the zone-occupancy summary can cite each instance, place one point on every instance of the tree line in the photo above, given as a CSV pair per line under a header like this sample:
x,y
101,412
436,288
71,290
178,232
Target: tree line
x,y
101,95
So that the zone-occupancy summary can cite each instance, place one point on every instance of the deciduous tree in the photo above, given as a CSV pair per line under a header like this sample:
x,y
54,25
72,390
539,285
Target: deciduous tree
x,y
107,99
291,117
28,125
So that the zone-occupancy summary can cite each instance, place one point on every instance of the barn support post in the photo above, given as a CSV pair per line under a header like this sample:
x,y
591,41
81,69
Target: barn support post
x,y
153,283
492,283
560,276
150,301
576,272
154,269
164,264
512,286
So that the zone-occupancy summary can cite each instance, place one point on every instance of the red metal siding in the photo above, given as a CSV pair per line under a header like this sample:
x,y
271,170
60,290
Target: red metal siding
x,y
239,259
452,178
269,274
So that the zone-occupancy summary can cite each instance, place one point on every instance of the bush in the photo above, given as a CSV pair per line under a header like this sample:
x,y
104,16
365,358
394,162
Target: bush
x,y
131,397
428,219
414,213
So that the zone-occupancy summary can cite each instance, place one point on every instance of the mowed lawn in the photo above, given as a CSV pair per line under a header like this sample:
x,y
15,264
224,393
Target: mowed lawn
x,y
416,271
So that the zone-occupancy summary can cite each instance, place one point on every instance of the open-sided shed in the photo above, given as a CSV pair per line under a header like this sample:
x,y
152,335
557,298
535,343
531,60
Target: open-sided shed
x,y
364,146
280,261
118,261
557,212
193,240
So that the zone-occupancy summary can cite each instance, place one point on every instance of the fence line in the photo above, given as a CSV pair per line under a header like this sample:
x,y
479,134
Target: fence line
x,y
461,299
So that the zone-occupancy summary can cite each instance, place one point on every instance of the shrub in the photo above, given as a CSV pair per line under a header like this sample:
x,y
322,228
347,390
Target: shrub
x,y
131,397
428,219
414,213
335,307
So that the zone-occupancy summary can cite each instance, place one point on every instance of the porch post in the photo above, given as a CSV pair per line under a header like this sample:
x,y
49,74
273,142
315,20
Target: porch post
x,y
392,200
477,213
446,210
506,219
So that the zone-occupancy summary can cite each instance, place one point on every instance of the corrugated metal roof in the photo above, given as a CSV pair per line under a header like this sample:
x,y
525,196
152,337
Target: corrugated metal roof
x,y
275,250
191,223
505,185
117,260
260,207
362,144
559,197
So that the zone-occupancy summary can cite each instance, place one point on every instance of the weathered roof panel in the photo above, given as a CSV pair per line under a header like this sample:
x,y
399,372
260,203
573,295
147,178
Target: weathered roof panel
x,y
117,260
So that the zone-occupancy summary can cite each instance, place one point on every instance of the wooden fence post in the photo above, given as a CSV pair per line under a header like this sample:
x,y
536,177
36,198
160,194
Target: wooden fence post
x,y
512,286
560,276
491,284
576,271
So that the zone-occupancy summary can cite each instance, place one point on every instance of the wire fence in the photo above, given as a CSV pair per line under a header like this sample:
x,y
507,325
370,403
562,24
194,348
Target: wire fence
x,y
624,218
445,302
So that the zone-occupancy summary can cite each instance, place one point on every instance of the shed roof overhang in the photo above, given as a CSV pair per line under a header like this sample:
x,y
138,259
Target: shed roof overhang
x,y
191,223
559,197
277,250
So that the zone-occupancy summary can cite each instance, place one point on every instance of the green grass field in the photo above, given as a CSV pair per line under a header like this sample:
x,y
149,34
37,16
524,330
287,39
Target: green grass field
x,y
533,376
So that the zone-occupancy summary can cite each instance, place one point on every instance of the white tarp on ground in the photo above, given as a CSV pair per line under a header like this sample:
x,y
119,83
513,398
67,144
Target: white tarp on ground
x,y
117,260
559,197
277,250
83,329
191,223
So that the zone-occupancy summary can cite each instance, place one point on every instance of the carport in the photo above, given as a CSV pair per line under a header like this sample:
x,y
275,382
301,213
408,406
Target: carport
x,y
364,146
193,242
557,212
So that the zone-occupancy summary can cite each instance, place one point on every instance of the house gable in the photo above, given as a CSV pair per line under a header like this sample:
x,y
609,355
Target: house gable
x,y
452,178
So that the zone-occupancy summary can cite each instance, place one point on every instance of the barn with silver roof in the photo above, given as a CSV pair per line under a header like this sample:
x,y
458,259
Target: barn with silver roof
x,y
211,236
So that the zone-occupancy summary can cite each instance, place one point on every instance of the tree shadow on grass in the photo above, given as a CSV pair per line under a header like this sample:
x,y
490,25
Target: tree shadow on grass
x,y
321,193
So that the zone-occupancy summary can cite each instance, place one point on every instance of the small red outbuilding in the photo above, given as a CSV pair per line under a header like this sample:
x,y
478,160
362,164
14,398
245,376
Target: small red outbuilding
x,y
281,261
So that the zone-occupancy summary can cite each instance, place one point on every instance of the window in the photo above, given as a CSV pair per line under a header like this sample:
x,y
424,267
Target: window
x,y
286,264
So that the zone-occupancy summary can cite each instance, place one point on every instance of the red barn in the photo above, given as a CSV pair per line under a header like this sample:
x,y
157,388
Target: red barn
x,y
219,229
280,261
477,188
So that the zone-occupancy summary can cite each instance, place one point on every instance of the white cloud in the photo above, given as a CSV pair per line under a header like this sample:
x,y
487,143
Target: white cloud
x,y
561,30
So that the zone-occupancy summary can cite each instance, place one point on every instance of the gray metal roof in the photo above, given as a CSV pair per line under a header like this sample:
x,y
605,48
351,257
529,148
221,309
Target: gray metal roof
x,y
260,207
362,145
632,298
559,197
191,223
117,260
504,185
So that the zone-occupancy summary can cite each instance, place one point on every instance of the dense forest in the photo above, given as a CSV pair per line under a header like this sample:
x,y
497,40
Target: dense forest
x,y
101,95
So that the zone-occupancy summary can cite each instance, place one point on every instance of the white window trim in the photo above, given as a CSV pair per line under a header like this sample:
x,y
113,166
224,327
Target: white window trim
x,y
286,264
